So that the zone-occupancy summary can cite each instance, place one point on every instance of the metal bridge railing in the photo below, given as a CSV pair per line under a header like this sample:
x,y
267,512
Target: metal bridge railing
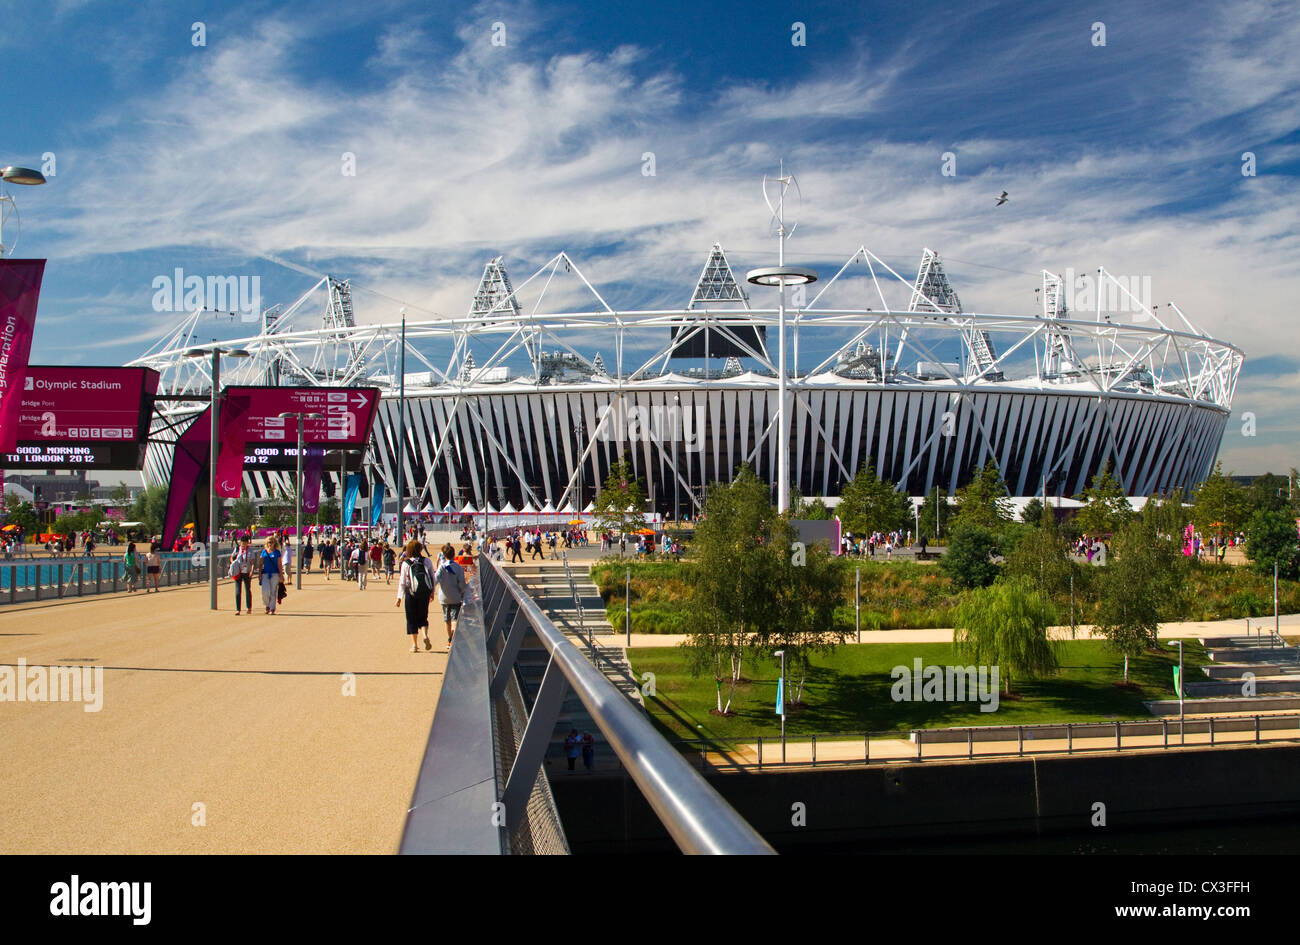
x,y
460,792
39,579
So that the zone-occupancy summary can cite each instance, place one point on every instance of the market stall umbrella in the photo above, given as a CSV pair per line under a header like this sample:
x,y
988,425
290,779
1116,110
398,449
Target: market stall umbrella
x,y
644,531
577,521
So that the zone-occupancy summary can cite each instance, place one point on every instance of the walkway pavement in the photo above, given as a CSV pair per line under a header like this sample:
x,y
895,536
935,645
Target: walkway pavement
x,y
245,715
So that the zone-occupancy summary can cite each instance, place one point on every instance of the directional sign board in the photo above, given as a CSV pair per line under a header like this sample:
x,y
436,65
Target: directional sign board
x,y
83,418
271,442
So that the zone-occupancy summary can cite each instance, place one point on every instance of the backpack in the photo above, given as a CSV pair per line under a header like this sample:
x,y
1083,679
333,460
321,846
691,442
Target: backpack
x,y
420,584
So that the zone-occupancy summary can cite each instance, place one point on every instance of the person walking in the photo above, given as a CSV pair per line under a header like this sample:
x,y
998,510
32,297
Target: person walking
x,y
451,584
572,745
308,552
241,570
131,567
390,561
326,557
588,751
272,574
359,562
153,568
414,588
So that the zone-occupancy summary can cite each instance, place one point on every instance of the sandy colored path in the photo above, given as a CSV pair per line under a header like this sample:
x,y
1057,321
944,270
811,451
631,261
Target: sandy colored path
x,y
245,715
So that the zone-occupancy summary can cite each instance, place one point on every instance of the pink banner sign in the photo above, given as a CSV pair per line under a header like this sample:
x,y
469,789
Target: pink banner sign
x,y
20,288
233,433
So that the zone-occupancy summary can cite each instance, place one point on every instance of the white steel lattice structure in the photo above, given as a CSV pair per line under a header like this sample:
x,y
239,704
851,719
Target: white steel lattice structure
x,y
515,406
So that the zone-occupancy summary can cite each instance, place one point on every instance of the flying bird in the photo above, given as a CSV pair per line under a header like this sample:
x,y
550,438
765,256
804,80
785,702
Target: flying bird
x,y
1001,200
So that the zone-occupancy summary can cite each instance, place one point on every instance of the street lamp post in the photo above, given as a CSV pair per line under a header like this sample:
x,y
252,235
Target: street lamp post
x,y
401,434
297,512
216,351
781,276
15,175
1182,736
781,653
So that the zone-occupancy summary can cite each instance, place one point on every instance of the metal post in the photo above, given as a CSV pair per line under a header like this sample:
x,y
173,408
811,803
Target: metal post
x,y
297,512
814,751
627,606
212,483
343,484
857,602
784,696
1211,730
1069,738
1118,745
1257,730
918,733
970,743
760,753
866,747
1276,625
81,578
1164,724
1020,739
401,433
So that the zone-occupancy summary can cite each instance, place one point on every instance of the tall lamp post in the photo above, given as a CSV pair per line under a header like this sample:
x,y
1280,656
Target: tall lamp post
x,y
1182,735
15,175
214,351
299,416
781,653
401,434
781,276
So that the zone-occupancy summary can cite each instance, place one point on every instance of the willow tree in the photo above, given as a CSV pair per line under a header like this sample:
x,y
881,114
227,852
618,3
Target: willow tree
x,y
1005,625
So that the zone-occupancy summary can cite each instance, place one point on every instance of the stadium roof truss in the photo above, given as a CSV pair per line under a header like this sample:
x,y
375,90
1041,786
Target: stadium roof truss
x,y
1051,350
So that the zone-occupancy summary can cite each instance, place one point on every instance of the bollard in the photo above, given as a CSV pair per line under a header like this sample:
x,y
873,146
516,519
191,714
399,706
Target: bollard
x,y
1257,730
1118,746
1020,739
814,751
1211,731
866,748
970,743
1165,726
760,753
60,579
81,577
917,733
1069,738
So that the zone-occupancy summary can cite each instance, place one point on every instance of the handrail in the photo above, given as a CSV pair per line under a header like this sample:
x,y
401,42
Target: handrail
x,y
697,818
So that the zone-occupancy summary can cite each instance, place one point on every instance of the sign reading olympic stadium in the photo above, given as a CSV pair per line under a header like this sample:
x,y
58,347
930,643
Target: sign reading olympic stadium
x,y
518,406
84,417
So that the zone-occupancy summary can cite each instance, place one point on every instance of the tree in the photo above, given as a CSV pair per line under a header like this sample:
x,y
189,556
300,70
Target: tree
x,y
983,501
869,504
969,558
1270,539
1042,560
741,551
1107,507
243,513
1166,514
1032,513
327,513
22,514
1005,625
1219,505
1144,578
121,495
814,511
1269,493
149,507
934,506
278,511
810,587
620,504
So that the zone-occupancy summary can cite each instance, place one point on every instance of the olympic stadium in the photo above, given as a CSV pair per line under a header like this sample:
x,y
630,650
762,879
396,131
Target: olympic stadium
x,y
523,403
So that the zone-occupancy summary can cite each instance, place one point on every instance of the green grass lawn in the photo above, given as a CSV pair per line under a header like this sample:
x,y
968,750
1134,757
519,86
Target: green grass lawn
x,y
848,692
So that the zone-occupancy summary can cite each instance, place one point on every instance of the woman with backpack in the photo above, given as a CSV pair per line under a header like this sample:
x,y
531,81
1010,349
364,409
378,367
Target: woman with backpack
x,y
414,588
131,565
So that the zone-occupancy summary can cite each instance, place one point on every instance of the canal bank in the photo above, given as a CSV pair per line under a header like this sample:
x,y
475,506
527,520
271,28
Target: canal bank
x,y
1013,804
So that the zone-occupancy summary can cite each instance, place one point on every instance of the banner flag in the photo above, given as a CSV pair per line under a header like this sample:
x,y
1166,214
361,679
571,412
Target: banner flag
x,y
350,497
780,696
376,503
232,428
189,470
20,287
313,464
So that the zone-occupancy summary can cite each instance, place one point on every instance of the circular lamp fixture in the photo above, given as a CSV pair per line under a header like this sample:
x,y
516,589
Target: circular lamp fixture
x,y
21,175
781,275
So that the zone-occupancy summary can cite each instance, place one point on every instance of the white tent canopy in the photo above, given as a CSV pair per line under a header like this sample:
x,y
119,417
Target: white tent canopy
x,y
469,509
409,510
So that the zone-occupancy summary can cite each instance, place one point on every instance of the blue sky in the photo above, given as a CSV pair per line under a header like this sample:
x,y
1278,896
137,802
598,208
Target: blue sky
x,y
212,158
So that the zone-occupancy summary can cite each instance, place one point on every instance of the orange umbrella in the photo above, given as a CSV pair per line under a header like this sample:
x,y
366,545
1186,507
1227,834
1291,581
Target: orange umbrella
x,y
644,531
576,521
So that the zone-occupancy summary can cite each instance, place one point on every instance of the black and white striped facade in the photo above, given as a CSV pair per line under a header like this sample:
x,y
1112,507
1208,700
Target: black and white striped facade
x,y
524,448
